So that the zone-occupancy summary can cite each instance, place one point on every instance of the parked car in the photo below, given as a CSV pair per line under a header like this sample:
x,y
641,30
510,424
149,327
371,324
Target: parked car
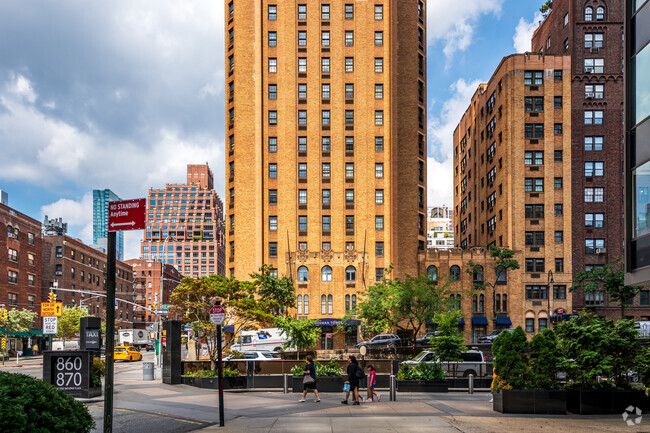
x,y
65,345
426,340
254,356
126,353
149,347
382,340
473,362
494,334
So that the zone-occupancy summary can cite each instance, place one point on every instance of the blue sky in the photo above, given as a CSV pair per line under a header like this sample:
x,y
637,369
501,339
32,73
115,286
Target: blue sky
x,y
122,95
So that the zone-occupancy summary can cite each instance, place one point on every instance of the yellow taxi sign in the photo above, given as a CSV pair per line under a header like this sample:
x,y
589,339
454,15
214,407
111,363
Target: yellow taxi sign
x,y
51,309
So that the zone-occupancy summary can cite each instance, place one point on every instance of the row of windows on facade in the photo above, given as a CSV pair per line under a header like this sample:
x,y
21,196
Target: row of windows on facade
x,y
536,211
324,38
326,222
594,65
14,233
326,93
326,143
325,170
325,66
168,192
325,117
325,9
90,261
185,248
12,300
12,255
12,277
326,304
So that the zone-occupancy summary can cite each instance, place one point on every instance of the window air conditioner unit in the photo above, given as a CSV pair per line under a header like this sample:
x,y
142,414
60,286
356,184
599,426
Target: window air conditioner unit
x,y
593,50
601,250
589,70
59,272
589,95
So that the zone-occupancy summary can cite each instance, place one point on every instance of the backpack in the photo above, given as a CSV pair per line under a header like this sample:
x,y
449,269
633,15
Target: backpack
x,y
360,373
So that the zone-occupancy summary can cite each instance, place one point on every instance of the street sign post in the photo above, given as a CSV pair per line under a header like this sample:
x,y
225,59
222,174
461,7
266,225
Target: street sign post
x,y
161,312
126,215
51,309
217,316
50,325
122,215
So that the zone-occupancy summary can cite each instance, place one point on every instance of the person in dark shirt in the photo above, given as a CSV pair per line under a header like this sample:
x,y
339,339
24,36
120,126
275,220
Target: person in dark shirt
x,y
353,380
311,371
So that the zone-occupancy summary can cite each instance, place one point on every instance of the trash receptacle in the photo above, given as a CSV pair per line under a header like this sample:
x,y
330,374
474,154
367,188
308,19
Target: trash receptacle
x,y
147,371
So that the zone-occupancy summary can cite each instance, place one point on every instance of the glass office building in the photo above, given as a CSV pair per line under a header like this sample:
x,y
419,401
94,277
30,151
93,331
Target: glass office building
x,y
101,197
637,141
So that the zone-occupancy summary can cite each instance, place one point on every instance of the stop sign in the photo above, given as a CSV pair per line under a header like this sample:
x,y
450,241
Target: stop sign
x,y
217,315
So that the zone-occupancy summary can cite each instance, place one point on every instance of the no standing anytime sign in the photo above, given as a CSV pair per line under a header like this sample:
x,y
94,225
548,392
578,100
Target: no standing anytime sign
x,y
126,215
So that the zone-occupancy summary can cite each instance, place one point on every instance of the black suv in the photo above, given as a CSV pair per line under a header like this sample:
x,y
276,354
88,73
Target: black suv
x,y
382,340
426,340
492,335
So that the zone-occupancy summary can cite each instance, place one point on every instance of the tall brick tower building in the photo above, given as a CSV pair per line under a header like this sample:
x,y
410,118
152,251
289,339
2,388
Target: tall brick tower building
x,y
512,183
326,133
591,32
185,225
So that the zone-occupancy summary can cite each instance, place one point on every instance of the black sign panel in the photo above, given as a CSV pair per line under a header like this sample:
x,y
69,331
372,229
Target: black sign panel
x,y
69,371
93,339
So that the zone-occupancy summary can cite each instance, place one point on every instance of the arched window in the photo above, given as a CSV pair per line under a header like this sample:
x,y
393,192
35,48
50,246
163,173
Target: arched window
x,y
299,304
478,274
458,302
323,304
432,273
498,304
589,13
303,274
481,303
326,274
306,304
350,273
329,304
347,302
475,304
354,302
454,273
600,13
504,303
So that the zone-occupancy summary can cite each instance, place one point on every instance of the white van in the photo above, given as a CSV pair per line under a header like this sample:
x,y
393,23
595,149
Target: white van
x,y
269,339
643,327
67,345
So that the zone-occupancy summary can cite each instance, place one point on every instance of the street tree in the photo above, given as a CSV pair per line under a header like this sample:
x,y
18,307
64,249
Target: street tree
x,y
278,294
503,261
301,333
69,322
610,279
448,340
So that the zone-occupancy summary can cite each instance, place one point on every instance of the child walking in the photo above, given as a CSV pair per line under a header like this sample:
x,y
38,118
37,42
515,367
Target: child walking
x,y
372,382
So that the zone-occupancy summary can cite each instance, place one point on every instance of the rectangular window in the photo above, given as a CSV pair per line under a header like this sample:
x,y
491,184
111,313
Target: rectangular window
x,y
349,117
594,143
559,265
302,169
273,144
325,64
325,117
302,223
596,168
557,129
594,220
273,39
302,38
326,196
379,91
273,91
557,155
533,158
349,196
379,170
273,117
302,196
273,249
349,170
349,38
349,91
325,12
379,39
379,249
557,101
302,117
535,78
559,236
273,65
349,222
379,12
349,64
325,91
594,40
379,196
379,64
273,170
594,195
326,169
302,64
592,245
273,223
327,223
594,91
558,183
325,144
379,222
594,66
273,12
349,144
302,12
302,93
349,11
325,38
302,144
557,75
558,209
273,196
379,144
379,117
593,117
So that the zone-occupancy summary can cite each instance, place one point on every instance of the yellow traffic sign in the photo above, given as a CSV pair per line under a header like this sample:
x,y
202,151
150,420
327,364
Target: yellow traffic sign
x,y
51,309
3,344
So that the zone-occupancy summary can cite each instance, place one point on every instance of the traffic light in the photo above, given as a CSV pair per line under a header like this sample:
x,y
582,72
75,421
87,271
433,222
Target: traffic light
x,y
51,297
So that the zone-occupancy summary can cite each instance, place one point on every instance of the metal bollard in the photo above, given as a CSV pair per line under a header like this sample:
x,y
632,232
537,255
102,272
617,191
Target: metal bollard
x,y
470,384
286,384
393,388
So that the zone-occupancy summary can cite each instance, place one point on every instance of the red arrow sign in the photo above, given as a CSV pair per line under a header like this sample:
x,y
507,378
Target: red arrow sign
x,y
126,215
217,314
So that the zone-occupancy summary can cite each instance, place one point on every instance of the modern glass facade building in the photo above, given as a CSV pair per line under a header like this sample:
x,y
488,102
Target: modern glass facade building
x,y
637,141
101,197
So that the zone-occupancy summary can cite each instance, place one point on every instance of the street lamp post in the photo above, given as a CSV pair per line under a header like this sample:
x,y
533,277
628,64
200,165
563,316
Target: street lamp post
x,y
549,289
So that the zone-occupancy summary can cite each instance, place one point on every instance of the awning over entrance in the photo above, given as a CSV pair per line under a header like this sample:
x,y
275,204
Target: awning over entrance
x,y
31,333
504,321
229,328
479,321
337,322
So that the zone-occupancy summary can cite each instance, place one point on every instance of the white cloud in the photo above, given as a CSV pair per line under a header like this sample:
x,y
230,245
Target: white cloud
x,y
453,22
77,213
524,33
440,132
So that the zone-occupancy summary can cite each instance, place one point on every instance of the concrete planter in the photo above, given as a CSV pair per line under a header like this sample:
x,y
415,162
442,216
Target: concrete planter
x,y
235,382
422,386
605,402
531,401
323,383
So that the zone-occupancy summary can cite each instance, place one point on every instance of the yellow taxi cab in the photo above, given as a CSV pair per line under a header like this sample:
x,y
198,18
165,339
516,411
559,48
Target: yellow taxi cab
x,y
126,353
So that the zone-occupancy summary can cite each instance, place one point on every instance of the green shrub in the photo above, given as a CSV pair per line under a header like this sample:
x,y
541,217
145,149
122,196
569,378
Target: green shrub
x,y
510,361
330,369
227,372
32,406
97,372
421,371
544,360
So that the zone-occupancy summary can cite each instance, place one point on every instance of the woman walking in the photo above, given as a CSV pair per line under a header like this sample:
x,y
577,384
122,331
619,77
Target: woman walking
x,y
309,379
372,382
353,380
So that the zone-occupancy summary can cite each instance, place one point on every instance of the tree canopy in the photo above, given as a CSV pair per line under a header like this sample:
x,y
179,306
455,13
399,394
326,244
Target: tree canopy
x,y
19,320
69,322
